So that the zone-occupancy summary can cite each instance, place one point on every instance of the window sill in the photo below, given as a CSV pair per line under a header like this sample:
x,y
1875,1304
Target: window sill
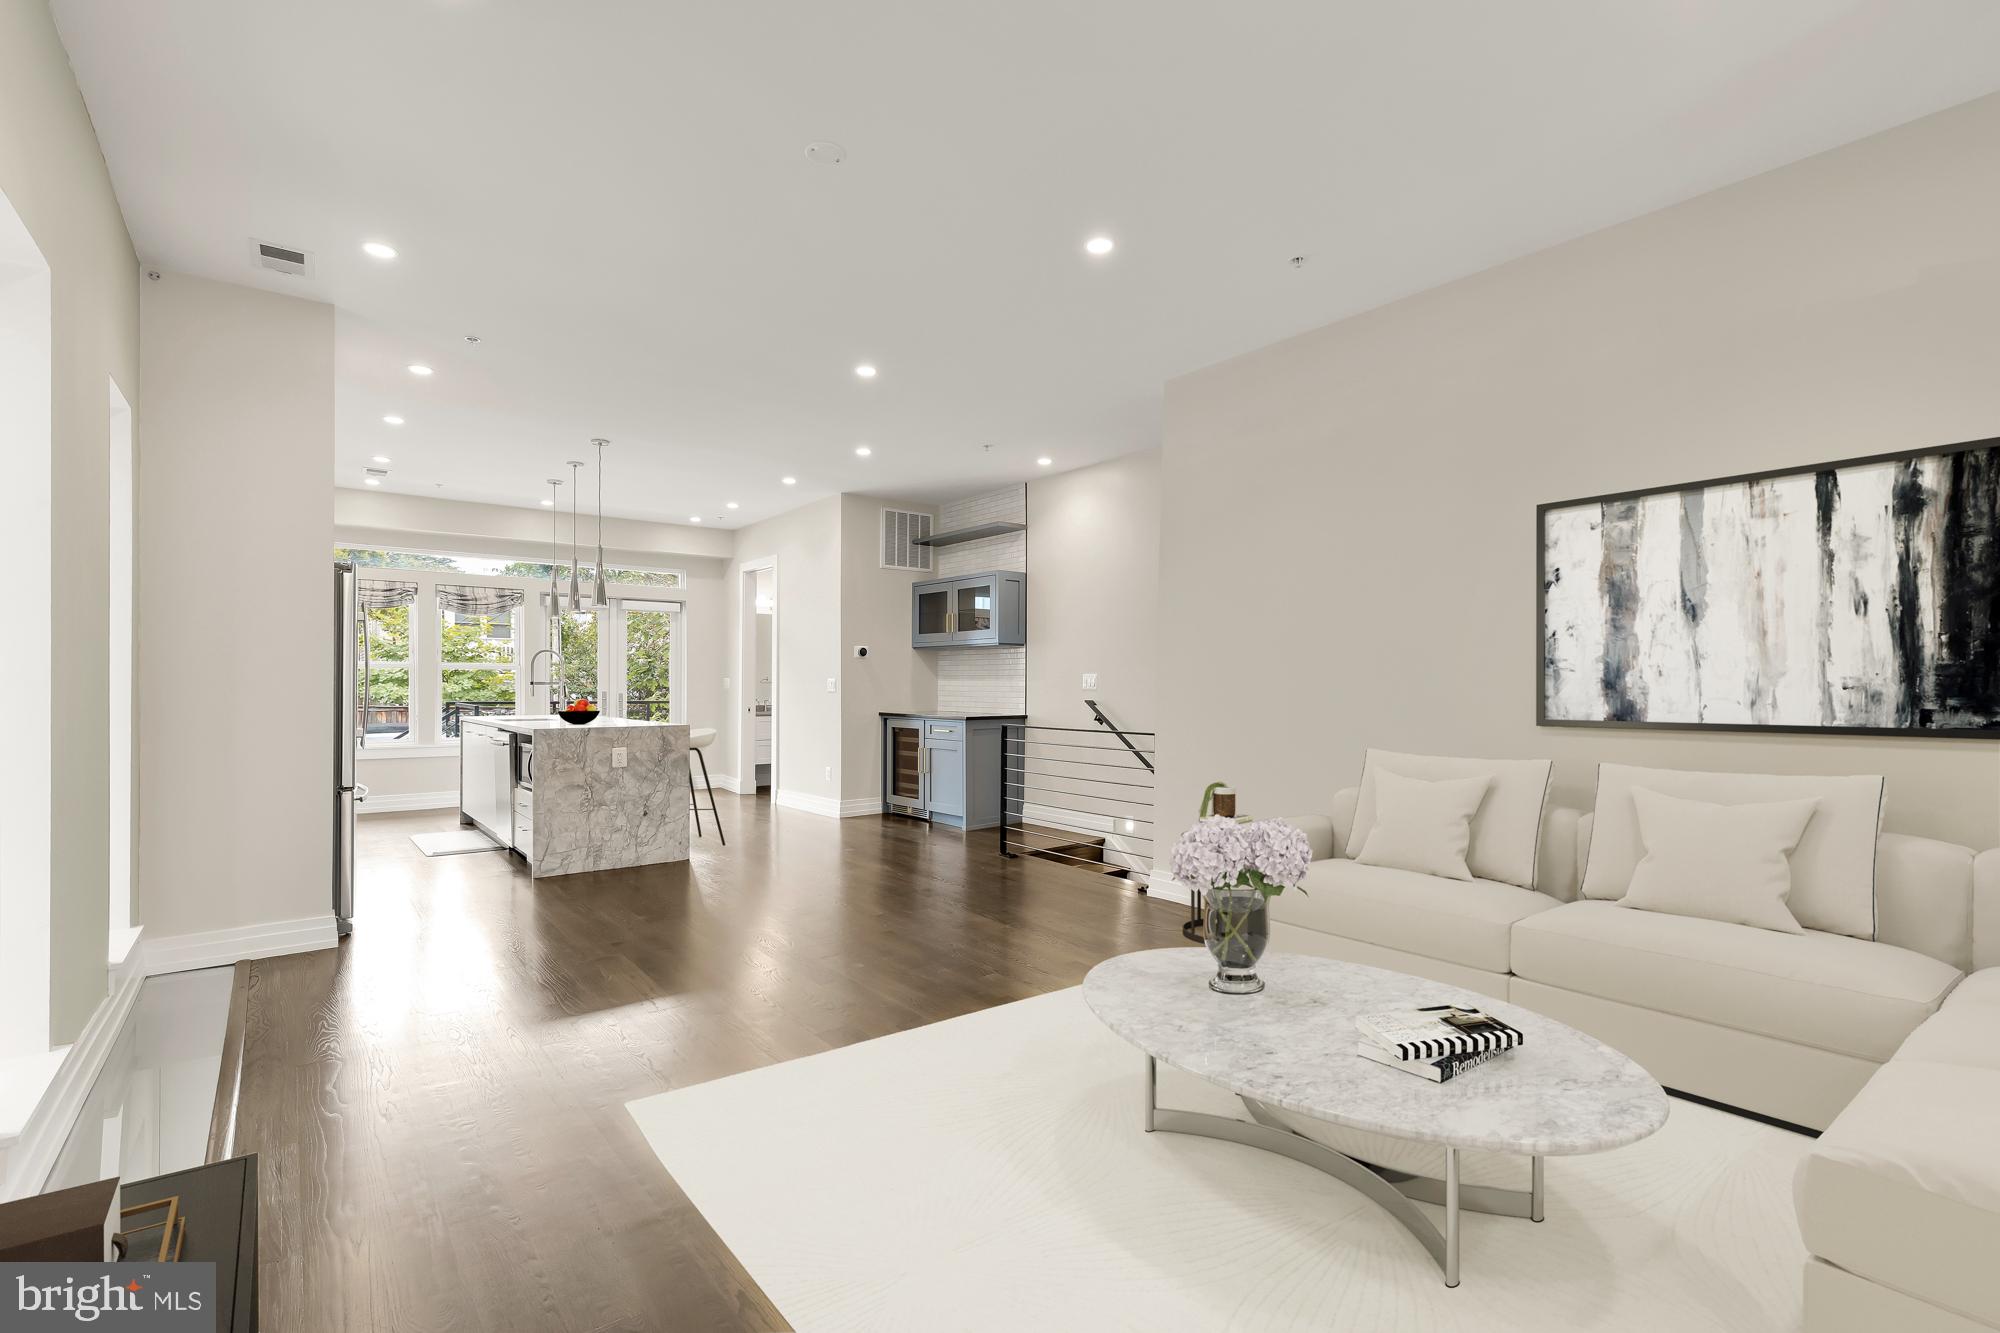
x,y
368,752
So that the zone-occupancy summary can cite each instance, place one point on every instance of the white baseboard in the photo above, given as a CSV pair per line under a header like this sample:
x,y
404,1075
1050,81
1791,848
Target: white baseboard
x,y
720,781
414,800
32,1155
217,948
798,800
831,807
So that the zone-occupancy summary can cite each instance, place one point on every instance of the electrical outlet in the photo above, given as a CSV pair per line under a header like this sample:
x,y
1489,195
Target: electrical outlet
x,y
618,756
832,683
1090,680
725,684
829,772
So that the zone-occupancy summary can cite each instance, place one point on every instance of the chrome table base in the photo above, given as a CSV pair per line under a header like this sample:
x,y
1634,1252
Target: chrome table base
x,y
1395,1192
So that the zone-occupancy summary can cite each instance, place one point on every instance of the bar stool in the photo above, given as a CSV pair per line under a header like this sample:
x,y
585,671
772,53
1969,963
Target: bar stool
x,y
699,739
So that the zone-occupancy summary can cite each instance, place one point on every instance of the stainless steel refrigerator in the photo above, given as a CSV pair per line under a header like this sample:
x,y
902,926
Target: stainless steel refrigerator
x,y
347,793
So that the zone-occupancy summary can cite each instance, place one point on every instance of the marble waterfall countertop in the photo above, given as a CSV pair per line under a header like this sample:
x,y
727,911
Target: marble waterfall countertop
x,y
591,813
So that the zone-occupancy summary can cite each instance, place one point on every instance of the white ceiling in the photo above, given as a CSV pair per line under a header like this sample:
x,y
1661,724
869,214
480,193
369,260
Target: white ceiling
x,y
613,195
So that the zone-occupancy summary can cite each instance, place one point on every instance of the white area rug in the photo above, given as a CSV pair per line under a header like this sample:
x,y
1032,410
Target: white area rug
x,y
990,1173
455,843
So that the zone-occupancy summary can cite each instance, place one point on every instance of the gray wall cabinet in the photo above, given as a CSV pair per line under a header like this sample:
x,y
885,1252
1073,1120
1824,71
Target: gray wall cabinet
x,y
970,611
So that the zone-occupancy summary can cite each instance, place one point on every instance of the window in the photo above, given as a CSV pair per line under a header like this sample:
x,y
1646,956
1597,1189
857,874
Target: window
x,y
576,672
649,642
479,652
382,664
368,557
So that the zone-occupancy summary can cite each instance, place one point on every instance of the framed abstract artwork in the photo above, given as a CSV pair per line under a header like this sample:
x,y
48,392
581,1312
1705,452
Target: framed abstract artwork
x,y
1859,596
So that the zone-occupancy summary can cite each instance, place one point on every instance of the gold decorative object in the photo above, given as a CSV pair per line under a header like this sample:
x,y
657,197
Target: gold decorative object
x,y
172,1228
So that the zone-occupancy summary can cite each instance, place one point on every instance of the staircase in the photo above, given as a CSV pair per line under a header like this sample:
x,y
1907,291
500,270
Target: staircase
x,y
1080,796
1083,851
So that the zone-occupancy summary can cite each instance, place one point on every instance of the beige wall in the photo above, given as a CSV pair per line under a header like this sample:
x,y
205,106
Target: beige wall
x,y
1348,548
235,784
894,677
1094,595
806,543
54,177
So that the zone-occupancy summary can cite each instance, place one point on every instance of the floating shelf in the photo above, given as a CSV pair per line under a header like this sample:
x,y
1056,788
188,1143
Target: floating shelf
x,y
969,534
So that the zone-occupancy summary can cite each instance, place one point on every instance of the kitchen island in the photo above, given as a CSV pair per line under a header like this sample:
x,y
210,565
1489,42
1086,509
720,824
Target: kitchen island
x,y
610,794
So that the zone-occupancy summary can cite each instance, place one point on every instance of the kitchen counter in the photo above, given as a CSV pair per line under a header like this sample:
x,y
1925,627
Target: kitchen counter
x,y
957,717
528,726
608,794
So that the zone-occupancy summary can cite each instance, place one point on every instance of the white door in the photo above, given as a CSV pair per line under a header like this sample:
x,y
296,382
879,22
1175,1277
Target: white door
x,y
640,662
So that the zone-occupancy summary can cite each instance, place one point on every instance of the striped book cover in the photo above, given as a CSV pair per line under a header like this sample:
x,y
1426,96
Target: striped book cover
x,y
1442,1070
1422,1034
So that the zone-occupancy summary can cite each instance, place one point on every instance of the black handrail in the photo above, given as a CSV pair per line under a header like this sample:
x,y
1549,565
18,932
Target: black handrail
x,y
1104,721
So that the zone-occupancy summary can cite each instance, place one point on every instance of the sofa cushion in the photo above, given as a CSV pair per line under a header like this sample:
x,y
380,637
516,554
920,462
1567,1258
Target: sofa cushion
x,y
1904,1186
1833,868
1721,862
1981,988
1852,996
1423,826
1507,831
1467,922
1958,1034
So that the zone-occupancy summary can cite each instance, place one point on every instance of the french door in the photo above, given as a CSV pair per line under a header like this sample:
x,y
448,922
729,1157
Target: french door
x,y
639,657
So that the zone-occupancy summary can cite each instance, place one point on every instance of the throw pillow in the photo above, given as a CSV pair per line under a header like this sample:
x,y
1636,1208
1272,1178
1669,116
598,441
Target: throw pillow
x,y
1833,870
1723,862
1423,826
1507,831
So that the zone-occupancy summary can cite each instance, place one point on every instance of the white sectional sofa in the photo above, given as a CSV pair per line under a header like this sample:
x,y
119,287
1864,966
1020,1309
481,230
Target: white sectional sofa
x,y
1785,1025
1899,1201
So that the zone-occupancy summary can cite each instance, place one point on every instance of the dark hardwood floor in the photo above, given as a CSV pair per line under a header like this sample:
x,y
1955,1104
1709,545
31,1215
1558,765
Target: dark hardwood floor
x,y
439,1104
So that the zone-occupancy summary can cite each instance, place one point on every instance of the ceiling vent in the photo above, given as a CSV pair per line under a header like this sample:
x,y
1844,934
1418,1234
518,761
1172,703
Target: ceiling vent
x,y
901,531
279,259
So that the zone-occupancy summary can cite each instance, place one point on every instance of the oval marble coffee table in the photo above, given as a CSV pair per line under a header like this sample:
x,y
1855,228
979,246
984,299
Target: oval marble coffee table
x,y
1291,1047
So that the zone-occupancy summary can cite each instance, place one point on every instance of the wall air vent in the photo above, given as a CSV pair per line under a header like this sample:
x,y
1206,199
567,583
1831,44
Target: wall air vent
x,y
901,530
280,259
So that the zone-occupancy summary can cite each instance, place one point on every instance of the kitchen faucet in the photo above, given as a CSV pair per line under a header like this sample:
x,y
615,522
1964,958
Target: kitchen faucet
x,y
554,659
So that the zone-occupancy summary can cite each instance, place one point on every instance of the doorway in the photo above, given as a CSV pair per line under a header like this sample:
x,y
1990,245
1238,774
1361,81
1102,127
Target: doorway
x,y
757,719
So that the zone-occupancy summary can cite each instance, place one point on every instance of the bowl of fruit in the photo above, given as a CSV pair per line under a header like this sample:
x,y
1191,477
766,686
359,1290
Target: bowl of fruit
x,y
579,711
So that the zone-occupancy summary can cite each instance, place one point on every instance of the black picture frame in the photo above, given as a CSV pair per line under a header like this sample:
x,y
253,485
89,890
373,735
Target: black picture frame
x,y
1542,511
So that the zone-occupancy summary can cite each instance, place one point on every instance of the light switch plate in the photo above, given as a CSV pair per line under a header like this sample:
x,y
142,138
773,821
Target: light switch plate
x,y
618,756
1090,680
832,682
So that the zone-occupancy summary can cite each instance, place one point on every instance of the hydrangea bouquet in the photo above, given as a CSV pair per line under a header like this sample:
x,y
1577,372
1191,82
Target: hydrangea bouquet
x,y
1240,867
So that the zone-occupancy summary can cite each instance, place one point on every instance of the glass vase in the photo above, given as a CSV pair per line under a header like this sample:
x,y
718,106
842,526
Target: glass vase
x,y
1238,929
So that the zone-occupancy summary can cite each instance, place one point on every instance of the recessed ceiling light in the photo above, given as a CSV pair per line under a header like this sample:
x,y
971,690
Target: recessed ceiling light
x,y
420,370
789,481
865,372
1044,462
694,518
1099,245
392,421
862,451
732,505
381,458
372,481
378,250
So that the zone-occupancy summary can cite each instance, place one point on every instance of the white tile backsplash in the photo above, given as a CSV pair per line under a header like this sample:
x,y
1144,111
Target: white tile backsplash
x,y
984,680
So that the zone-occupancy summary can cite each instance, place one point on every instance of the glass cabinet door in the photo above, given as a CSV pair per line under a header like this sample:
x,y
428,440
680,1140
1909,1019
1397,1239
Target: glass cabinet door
x,y
972,609
933,616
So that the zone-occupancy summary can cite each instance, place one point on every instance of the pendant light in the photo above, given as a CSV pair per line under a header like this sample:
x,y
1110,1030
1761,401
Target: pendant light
x,y
600,519
575,588
555,554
